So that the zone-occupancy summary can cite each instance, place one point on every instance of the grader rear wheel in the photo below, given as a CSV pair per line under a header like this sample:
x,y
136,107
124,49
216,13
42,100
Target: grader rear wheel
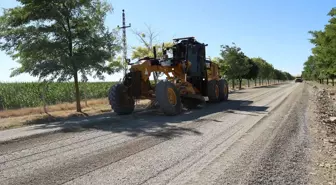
x,y
213,91
119,100
168,98
223,90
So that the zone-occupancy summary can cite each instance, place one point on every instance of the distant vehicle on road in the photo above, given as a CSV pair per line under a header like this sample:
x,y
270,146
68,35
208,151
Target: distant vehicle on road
x,y
298,79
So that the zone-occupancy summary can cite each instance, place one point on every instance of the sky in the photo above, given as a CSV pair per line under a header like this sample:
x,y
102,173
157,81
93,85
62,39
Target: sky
x,y
274,30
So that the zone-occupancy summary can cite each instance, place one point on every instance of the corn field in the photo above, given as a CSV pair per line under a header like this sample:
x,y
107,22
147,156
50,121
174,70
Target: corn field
x,y
20,95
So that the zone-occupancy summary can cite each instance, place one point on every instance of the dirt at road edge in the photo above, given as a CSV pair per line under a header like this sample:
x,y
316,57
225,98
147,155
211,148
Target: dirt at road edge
x,y
322,109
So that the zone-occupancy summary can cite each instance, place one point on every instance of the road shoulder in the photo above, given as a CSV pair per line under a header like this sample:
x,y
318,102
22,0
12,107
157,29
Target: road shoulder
x,y
321,109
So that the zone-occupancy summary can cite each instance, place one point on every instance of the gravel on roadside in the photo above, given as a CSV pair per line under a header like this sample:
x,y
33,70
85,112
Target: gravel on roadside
x,y
323,129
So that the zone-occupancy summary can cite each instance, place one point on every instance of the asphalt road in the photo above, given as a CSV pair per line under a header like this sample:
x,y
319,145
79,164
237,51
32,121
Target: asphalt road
x,y
258,137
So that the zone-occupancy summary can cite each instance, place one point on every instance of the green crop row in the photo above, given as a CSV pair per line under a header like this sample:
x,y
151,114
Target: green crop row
x,y
19,95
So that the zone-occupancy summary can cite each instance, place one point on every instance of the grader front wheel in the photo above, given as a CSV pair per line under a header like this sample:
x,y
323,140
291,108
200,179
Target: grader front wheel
x,y
168,97
119,100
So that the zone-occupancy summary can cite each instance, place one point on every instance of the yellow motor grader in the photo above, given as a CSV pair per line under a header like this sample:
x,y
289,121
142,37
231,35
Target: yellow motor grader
x,y
190,77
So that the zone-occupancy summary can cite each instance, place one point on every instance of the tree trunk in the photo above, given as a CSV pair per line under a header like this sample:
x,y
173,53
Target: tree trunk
x,y
240,83
44,99
255,82
332,80
233,84
259,81
248,82
85,93
78,105
75,69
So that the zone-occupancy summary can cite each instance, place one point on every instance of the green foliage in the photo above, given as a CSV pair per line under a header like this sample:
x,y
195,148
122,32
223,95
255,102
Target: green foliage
x,y
289,76
253,70
233,62
262,65
20,95
310,69
266,70
56,40
143,51
280,75
235,65
224,66
216,60
322,63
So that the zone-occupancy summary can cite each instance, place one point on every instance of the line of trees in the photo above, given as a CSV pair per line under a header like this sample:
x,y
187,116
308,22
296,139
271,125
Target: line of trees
x,y
321,64
235,64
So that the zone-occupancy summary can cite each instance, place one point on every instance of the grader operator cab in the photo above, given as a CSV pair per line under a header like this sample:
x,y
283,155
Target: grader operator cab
x,y
189,78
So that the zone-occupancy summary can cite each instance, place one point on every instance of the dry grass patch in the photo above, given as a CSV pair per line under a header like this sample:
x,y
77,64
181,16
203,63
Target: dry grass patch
x,y
33,116
51,108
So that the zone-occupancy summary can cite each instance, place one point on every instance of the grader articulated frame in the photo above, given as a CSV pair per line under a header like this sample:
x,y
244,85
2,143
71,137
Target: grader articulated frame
x,y
190,78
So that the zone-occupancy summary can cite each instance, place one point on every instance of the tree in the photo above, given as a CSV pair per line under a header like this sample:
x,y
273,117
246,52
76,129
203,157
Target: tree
x,y
57,40
253,71
216,60
233,60
288,76
224,67
279,75
269,72
262,65
322,63
148,40
310,69
141,51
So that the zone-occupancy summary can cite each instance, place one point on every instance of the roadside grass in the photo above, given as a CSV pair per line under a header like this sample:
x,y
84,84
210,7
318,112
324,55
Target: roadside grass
x,y
51,108
61,112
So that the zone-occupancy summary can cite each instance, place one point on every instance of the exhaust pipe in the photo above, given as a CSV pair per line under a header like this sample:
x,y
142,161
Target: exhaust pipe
x,y
154,52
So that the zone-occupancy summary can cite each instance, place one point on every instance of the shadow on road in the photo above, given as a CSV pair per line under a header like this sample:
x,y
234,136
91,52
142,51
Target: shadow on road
x,y
237,92
154,123
268,86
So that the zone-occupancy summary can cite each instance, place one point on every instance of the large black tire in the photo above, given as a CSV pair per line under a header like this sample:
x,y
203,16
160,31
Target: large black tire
x,y
213,91
223,90
119,100
168,98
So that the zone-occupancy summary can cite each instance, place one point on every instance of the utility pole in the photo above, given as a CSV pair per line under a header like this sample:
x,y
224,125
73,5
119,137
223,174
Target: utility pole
x,y
124,39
